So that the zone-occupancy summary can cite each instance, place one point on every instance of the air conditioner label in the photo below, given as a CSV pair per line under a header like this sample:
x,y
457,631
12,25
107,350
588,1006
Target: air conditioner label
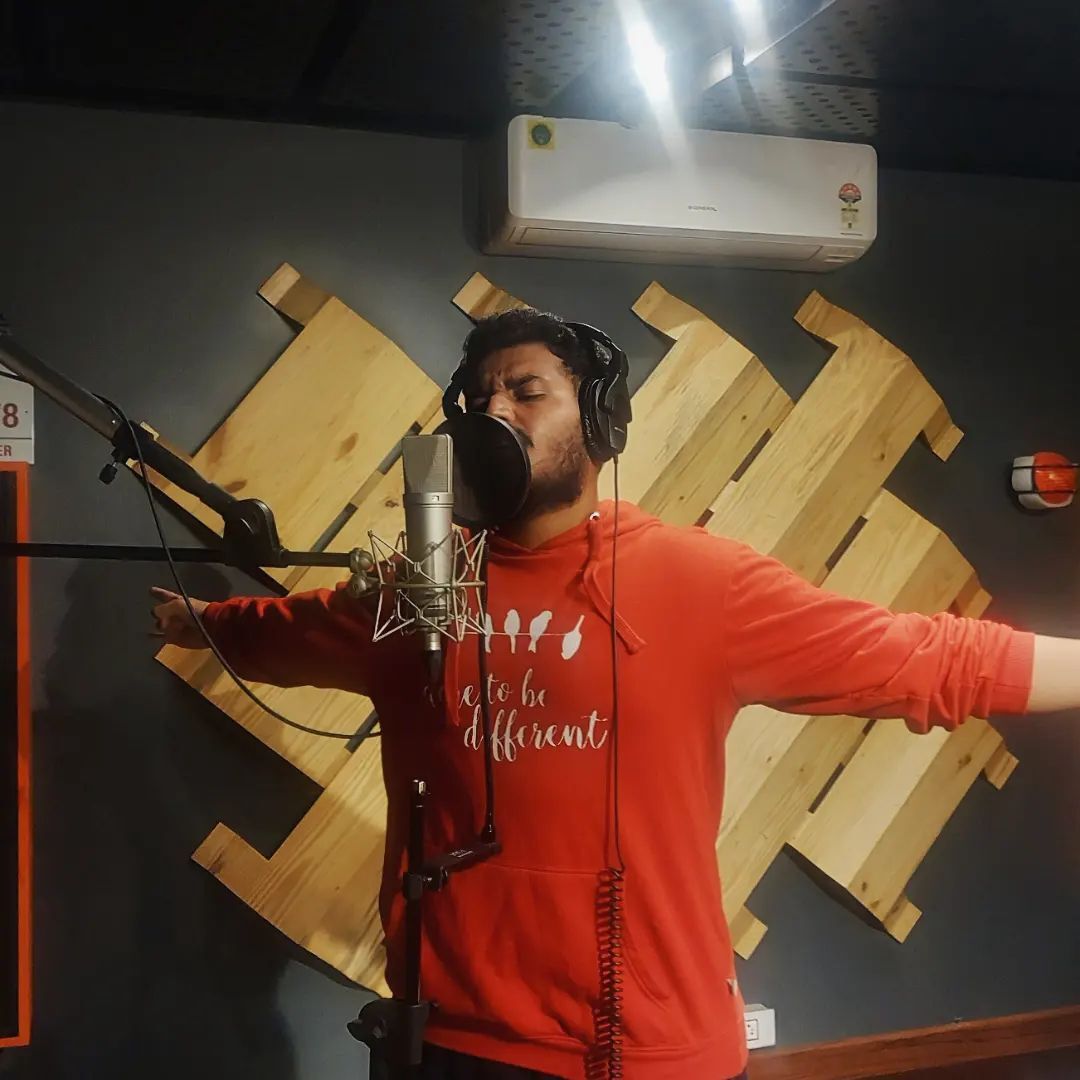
x,y
850,195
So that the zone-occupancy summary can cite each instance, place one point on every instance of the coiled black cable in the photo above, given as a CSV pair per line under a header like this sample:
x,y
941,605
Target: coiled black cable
x,y
604,1061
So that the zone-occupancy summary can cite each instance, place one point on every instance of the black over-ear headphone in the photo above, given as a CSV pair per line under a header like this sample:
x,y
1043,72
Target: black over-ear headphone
x,y
603,397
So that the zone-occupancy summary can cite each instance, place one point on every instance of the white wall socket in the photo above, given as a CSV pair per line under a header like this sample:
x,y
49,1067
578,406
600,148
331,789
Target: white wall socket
x,y
760,1026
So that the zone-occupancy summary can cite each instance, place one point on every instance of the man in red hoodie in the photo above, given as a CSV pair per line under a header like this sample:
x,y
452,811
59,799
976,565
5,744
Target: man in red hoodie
x,y
699,627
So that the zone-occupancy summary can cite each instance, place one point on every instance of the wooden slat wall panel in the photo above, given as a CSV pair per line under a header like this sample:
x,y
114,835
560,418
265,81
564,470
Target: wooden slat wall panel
x,y
325,710
478,297
813,479
896,794
780,764
368,394
305,861
321,887
698,416
379,510
363,390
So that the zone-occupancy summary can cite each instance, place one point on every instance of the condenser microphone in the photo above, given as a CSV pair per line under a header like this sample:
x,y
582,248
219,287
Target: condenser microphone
x,y
428,462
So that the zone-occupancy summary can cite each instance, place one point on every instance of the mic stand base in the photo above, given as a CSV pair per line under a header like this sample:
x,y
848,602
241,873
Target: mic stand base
x,y
393,1032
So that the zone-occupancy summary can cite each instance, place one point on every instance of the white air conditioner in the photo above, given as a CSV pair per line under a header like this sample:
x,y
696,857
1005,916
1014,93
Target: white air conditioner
x,y
598,190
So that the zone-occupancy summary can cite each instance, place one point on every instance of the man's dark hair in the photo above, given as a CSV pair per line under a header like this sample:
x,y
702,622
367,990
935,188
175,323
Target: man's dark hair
x,y
522,326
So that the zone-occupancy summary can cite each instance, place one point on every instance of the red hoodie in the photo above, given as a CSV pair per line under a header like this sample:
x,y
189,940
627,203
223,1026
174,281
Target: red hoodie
x,y
705,626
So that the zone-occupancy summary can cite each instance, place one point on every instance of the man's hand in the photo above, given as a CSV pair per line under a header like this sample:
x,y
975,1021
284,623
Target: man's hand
x,y
173,620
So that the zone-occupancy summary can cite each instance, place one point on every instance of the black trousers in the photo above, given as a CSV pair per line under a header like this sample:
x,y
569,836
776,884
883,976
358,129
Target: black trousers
x,y
442,1064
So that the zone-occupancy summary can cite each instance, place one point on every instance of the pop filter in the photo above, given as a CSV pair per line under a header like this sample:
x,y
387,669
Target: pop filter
x,y
491,470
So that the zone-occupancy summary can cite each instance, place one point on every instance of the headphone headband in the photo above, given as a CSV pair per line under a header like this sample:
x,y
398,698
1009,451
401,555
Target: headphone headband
x,y
603,397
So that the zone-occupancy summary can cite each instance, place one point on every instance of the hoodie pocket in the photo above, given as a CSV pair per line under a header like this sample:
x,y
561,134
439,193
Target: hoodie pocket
x,y
679,975
515,949
651,1014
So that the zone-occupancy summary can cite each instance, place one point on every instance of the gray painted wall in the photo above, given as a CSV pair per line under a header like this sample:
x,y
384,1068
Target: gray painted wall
x,y
132,248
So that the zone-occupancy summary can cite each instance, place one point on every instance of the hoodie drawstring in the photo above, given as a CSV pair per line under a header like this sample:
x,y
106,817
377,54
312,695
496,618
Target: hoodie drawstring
x,y
594,578
594,589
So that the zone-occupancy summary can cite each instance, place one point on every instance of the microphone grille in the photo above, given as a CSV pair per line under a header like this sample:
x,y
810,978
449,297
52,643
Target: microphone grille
x,y
428,463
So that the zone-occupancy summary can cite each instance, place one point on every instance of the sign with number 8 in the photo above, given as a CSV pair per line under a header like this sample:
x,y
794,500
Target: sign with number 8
x,y
16,419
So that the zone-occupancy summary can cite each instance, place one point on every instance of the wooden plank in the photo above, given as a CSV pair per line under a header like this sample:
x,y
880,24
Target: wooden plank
x,y
318,422
777,765
1000,767
376,508
294,296
869,1057
902,561
905,788
697,416
478,297
746,931
327,710
811,481
320,888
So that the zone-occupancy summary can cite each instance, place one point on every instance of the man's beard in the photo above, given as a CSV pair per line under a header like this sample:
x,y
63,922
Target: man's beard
x,y
563,484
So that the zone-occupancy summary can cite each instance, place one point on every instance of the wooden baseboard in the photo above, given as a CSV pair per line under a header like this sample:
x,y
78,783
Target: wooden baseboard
x,y
922,1048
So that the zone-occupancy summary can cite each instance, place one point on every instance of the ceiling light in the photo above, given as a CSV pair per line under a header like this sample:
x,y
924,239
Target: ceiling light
x,y
650,60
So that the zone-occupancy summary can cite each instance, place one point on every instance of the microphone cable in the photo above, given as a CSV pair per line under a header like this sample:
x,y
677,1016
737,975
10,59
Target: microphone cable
x,y
605,1061
360,734
357,737
488,832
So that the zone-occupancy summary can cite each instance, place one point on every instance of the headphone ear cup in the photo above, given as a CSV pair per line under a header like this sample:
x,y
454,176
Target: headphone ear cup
x,y
594,421
451,395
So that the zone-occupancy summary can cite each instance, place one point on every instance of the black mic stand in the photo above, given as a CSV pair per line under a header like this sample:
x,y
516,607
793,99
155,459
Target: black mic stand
x,y
249,533
392,1028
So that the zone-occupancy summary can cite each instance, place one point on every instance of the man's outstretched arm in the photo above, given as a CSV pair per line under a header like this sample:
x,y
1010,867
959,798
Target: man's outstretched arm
x,y
317,638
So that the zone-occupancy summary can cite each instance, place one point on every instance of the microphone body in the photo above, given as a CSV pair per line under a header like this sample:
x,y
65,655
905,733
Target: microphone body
x,y
428,462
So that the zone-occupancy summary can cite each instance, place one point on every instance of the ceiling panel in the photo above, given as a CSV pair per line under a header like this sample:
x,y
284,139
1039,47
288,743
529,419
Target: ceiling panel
x,y
993,45
444,65
764,103
845,40
10,64
223,50
547,45
980,85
